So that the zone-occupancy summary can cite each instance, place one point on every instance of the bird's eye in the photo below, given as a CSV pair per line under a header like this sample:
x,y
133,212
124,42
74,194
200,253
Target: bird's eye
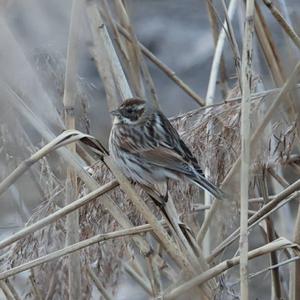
x,y
129,110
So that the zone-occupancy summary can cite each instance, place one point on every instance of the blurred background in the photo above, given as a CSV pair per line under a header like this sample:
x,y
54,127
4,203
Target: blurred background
x,y
34,39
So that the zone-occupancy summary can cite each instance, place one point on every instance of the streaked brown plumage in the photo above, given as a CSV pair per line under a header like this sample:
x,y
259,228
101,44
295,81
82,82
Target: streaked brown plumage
x,y
149,150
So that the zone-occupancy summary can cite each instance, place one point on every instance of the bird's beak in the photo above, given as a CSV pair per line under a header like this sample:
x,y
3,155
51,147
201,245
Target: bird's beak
x,y
115,112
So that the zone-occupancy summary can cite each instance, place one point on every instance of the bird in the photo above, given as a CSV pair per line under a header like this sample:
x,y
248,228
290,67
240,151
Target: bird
x,y
148,149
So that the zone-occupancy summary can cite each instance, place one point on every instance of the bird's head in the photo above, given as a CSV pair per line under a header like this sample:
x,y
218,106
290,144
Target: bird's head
x,y
131,111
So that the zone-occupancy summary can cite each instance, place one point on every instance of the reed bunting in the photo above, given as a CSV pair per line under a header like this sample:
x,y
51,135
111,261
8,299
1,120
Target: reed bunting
x,y
149,150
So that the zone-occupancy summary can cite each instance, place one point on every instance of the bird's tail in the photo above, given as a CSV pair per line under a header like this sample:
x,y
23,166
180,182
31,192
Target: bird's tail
x,y
205,184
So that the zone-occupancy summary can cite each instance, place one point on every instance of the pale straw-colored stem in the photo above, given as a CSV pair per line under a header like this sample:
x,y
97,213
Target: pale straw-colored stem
x,y
246,80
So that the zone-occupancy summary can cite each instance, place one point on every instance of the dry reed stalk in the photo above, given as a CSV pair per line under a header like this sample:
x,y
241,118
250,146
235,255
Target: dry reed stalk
x,y
268,46
283,23
183,258
246,80
107,56
107,15
296,239
75,247
295,270
69,102
91,183
214,27
143,282
233,44
98,283
276,245
6,291
62,140
136,51
133,63
13,290
257,95
276,285
270,268
284,196
113,61
210,95
102,62
159,231
164,68
273,59
58,214
36,292
254,139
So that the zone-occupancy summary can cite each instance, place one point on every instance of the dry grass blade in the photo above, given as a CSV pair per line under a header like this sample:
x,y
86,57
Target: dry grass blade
x,y
75,247
67,137
58,214
225,265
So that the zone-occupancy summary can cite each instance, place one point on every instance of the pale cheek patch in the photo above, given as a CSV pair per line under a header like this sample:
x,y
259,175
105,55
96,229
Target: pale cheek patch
x,y
116,121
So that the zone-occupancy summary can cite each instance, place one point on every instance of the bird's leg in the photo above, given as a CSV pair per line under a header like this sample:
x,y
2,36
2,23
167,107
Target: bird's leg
x,y
157,198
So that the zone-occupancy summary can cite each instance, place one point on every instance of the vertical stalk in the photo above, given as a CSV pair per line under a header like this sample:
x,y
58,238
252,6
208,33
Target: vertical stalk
x,y
218,53
245,142
69,99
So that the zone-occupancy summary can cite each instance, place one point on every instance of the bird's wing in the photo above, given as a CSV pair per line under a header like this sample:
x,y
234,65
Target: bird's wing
x,y
167,159
168,137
